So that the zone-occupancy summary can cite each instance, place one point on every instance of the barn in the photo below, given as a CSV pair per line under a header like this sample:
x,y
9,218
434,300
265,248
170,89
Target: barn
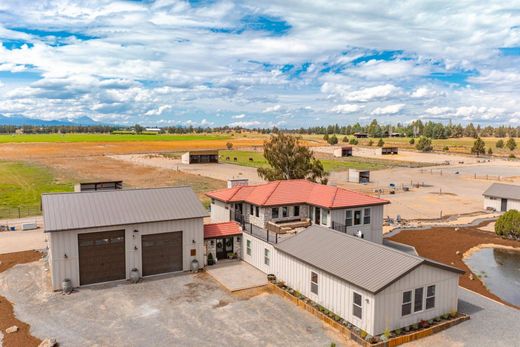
x,y
502,197
345,151
388,150
200,157
358,176
101,236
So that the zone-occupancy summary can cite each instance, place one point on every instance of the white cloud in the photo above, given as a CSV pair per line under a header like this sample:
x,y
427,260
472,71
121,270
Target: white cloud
x,y
239,116
371,93
158,111
274,108
436,110
346,108
245,124
389,109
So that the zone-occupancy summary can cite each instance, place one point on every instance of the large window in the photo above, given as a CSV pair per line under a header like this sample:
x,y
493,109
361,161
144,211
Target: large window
x,y
418,299
357,309
314,282
366,216
406,307
248,247
274,212
430,297
324,216
266,257
285,211
296,211
357,217
348,218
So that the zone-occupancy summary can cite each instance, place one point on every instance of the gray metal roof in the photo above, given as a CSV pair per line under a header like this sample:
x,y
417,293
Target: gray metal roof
x,y
363,263
66,211
506,191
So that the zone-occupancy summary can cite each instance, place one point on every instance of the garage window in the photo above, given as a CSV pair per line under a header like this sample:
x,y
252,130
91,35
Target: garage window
x,y
248,247
314,282
357,309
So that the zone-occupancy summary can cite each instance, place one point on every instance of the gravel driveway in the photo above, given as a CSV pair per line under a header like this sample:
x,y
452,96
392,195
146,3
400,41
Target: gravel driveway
x,y
180,310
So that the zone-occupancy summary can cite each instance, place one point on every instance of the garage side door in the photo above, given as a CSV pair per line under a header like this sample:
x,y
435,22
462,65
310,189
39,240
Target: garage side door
x,y
101,257
162,253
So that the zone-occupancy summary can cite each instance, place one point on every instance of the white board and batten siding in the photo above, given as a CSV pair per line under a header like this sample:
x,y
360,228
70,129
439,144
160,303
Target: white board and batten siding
x,y
496,203
389,300
371,232
219,211
257,257
66,242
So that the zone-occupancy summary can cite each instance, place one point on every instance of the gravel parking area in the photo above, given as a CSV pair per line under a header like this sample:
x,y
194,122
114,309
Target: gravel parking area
x,y
173,310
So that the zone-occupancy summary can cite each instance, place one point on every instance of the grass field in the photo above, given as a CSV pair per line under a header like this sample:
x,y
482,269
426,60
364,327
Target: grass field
x,y
108,138
21,186
329,165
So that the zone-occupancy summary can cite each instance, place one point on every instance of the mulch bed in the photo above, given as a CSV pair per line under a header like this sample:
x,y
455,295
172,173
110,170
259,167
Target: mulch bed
x,y
442,244
23,336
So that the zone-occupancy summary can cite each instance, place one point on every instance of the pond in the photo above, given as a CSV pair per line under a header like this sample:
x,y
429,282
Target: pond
x,y
499,269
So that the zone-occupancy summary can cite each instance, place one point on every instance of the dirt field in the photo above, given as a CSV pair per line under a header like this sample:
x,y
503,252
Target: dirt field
x,y
442,244
23,336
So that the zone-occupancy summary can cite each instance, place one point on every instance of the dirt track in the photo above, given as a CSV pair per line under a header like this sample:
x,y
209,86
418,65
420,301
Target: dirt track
x,y
442,244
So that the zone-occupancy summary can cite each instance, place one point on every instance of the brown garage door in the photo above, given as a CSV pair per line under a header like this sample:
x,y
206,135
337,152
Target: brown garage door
x,y
101,257
162,253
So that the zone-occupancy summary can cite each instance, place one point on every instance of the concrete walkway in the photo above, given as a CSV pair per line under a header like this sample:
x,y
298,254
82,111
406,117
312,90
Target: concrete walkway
x,y
237,275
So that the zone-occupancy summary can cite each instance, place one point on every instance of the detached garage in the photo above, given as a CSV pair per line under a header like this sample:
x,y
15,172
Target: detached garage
x,y
100,236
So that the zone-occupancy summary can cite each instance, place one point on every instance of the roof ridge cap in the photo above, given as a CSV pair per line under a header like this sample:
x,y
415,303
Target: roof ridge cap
x,y
272,192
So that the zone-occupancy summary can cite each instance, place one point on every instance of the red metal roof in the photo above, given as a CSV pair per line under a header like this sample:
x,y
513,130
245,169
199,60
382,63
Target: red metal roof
x,y
289,192
221,229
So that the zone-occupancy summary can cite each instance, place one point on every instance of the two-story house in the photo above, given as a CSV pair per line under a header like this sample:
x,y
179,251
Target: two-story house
x,y
289,201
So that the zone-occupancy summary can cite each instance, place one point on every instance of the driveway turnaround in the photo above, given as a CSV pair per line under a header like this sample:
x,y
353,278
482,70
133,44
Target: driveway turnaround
x,y
170,310
491,324
237,275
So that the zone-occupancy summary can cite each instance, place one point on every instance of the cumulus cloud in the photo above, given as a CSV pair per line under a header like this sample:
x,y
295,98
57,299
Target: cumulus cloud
x,y
239,116
245,124
389,109
346,108
371,93
273,108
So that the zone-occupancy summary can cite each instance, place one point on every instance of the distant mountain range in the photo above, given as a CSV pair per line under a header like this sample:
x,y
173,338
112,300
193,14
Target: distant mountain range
x,y
22,120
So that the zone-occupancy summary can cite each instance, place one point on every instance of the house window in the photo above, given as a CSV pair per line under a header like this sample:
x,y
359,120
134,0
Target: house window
x,y
251,210
324,216
406,307
257,211
296,211
357,310
348,218
285,211
357,217
418,300
274,212
430,297
248,248
314,282
213,201
266,256
366,216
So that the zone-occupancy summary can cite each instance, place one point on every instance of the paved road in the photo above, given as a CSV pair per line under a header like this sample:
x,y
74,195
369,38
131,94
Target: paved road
x,y
491,324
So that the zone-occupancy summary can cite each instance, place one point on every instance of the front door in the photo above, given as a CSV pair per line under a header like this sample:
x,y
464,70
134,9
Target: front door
x,y
317,215
224,246
503,205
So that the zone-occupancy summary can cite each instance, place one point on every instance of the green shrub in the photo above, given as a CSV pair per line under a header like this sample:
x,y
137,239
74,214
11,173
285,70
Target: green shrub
x,y
500,144
412,141
445,148
398,331
490,151
511,144
345,139
424,144
370,143
508,224
512,156
333,140
380,143
354,141
363,334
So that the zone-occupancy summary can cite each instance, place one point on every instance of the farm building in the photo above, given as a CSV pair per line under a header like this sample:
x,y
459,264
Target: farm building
x,y
502,197
222,240
372,286
93,186
358,176
361,135
200,157
387,150
294,203
343,152
101,236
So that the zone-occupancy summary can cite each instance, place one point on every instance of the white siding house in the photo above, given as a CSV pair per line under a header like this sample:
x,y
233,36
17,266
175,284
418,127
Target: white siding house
x,y
362,282
502,197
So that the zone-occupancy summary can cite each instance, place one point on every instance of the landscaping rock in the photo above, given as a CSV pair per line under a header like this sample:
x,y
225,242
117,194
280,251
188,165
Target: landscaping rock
x,y
12,329
457,253
471,277
48,343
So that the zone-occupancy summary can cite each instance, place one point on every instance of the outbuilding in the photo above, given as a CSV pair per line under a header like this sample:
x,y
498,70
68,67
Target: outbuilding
x,y
502,197
101,185
101,236
388,150
200,157
358,176
345,151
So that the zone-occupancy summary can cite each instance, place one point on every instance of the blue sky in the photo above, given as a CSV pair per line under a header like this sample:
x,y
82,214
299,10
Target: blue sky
x,y
261,64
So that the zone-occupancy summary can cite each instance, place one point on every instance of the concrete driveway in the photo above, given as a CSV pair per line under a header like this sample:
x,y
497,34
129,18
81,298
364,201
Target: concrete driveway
x,y
180,310
237,275
17,241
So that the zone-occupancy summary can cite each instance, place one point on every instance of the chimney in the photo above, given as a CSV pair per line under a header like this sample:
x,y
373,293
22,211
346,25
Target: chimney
x,y
237,182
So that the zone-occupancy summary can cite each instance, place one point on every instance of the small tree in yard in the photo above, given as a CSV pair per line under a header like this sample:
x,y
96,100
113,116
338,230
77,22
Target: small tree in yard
x,y
345,139
511,144
500,144
508,224
333,140
326,137
288,159
490,151
229,145
446,148
412,141
354,141
380,143
479,147
424,144
370,143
